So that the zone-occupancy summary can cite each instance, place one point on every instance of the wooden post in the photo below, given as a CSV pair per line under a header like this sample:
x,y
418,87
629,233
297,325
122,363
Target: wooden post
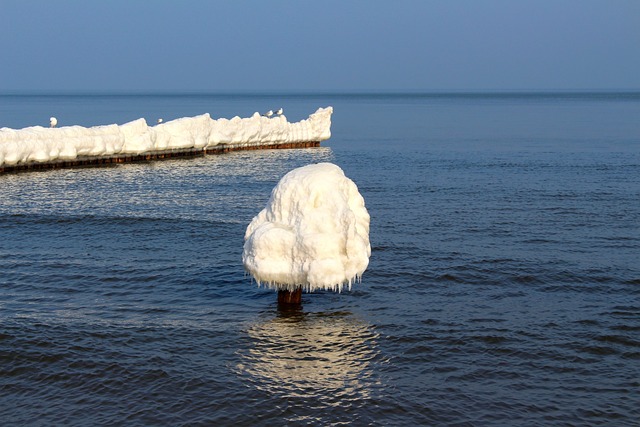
x,y
289,298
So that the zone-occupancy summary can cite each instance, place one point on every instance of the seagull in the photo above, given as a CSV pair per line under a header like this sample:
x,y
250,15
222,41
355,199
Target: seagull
x,y
268,113
53,122
280,111
160,121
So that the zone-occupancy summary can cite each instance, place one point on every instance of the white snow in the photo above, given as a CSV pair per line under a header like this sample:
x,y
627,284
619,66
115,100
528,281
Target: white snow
x,y
40,144
313,233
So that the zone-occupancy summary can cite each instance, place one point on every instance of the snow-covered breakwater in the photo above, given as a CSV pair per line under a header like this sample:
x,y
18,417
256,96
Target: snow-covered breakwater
x,y
38,146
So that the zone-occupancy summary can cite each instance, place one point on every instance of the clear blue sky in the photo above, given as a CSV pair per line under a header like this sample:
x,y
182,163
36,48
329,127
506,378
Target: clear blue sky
x,y
327,45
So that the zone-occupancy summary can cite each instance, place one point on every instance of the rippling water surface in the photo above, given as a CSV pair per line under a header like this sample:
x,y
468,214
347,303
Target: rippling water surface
x,y
503,287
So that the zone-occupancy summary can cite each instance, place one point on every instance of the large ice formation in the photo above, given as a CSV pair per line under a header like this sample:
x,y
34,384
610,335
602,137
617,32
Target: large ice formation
x,y
40,144
313,233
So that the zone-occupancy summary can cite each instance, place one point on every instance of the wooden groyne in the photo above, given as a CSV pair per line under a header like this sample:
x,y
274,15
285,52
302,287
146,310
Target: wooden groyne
x,y
96,161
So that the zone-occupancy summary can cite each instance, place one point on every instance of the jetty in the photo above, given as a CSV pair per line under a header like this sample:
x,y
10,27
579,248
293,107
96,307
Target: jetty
x,y
37,147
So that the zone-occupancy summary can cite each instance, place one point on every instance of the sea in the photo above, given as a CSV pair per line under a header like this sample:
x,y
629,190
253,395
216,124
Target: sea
x,y
503,286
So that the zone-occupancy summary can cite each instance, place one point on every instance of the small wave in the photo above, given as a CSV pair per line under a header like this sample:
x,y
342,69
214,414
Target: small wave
x,y
449,278
491,339
618,339
598,350
625,312
630,328
487,320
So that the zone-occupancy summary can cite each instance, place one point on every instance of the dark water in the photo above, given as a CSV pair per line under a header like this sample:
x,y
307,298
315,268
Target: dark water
x,y
503,288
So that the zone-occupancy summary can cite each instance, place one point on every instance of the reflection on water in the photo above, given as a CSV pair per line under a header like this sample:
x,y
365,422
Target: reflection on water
x,y
201,188
326,357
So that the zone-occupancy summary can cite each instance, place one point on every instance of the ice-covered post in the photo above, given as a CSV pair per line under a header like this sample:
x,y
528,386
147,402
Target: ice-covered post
x,y
313,234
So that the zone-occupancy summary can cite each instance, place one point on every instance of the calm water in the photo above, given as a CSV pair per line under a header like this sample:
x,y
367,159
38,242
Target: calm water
x,y
503,288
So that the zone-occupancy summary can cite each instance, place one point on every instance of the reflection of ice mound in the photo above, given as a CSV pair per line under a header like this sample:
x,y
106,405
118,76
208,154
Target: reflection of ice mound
x,y
313,233
325,357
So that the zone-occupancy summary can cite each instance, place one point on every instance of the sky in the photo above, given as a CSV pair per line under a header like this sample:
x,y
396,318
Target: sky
x,y
275,46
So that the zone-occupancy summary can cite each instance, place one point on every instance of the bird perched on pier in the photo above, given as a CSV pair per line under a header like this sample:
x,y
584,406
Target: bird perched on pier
x,y
53,122
268,113
280,111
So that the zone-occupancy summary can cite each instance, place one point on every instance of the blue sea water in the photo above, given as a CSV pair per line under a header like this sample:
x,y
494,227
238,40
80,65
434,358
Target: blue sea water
x,y
503,287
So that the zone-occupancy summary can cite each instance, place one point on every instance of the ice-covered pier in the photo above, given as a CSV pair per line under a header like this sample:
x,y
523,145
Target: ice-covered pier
x,y
38,147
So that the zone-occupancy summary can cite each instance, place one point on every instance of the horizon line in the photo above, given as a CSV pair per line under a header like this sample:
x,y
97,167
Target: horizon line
x,y
293,92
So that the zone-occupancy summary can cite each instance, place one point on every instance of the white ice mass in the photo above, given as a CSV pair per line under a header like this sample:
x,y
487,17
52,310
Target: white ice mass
x,y
40,144
313,233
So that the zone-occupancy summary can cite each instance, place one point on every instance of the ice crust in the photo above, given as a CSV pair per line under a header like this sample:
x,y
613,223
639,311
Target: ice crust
x,y
313,233
40,144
